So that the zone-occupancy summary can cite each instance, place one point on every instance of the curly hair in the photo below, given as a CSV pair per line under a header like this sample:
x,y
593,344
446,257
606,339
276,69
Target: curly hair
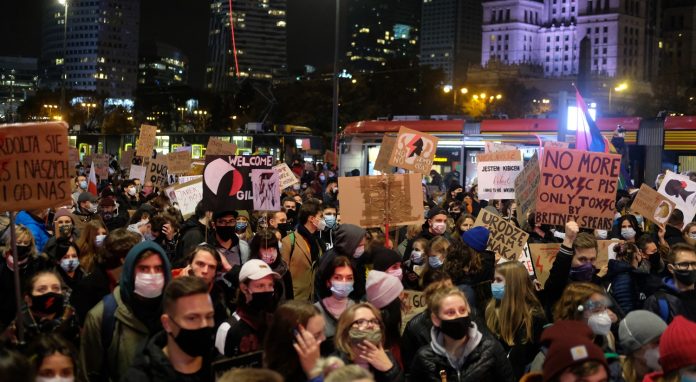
x,y
574,295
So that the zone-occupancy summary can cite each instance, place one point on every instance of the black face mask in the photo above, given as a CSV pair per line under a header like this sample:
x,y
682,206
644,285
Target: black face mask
x,y
291,214
48,303
685,277
262,301
23,251
66,230
456,328
224,232
195,342
284,228
107,215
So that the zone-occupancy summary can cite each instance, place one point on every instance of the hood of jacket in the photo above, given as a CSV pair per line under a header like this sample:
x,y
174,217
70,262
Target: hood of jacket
x,y
347,238
617,267
437,343
128,274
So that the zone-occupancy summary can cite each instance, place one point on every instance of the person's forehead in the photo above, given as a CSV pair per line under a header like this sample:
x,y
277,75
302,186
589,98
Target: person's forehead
x,y
151,260
64,219
46,279
204,256
194,304
685,256
363,313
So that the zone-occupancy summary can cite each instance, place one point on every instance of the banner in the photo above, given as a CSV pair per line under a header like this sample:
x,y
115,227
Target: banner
x,y
543,256
220,147
577,186
652,205
414,151
374,201
157,171
526,186
285,175
179,162
227,180
682,192
506,239
146,141
101,165
412,303
497,173
265,185
188,195
385,150
188,178
34,166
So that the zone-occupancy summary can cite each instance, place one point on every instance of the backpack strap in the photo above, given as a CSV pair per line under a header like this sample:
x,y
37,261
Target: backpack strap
x,y
664,308
292,246
108,320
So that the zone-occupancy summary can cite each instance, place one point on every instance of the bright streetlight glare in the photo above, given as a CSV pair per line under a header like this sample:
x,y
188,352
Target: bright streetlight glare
x,y
464,90
621,87
447,88
499,96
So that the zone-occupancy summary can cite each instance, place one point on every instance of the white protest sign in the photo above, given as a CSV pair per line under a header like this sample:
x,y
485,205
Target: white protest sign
x,y
286,177
497,173
188,195
137,172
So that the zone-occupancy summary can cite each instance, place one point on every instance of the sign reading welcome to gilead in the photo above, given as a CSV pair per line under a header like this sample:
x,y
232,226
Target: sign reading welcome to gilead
x,y
577,186
227,183
34,166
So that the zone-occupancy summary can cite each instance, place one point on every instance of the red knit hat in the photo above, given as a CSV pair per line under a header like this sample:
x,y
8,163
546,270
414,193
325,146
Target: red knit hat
x,y
570,344
678,345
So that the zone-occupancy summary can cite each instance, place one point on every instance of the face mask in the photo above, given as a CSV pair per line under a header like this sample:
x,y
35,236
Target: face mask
x,y
262,301
600,323
398,273
131,191
359,252
23,252
434,262
341,289
357,336
284,228
195,342
417,257
48,303
69,265
628,233
99,240
269,255
225,232
241,226
602,234
65,230
330,221
92,209
321,224
685,277
55,379
498,290
455,215
107,215
149,236
456,328
322,178
83,184
582,273
439,228
149,285
692,236
651,357
296,187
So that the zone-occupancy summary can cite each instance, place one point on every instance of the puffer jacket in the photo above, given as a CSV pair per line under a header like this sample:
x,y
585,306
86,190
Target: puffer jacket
x,y
621,285
483,360
416,335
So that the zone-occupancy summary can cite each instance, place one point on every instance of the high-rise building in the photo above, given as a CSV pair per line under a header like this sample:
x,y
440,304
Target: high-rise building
x,y
450,37
161,65
256,46
606,37
380,31
17,83
97,49
677,42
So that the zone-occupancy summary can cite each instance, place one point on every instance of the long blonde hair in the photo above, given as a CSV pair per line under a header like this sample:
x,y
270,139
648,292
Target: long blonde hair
x,y
518,306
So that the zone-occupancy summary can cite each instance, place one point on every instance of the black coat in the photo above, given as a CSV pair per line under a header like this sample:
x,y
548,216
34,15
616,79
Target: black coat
x,y
395,374
416,335
487,362
89,291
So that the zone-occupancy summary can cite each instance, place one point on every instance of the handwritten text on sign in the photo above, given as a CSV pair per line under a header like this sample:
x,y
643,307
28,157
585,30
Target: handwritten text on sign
x,y
526,186
34,166
505,239
577,186
497,179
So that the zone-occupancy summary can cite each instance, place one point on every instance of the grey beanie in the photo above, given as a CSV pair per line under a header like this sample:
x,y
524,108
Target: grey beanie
x,y
639,328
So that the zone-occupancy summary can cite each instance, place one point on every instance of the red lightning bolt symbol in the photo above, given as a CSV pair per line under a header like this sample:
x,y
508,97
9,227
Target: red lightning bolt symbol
x,y
411,145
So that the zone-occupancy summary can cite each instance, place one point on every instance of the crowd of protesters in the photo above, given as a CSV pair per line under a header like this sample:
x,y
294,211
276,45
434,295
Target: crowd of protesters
x,y
119,286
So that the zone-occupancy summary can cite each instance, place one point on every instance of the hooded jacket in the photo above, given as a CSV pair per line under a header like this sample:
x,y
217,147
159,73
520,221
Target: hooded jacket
x,y
483,360
37,228
130,332
346,240
192,233
677,303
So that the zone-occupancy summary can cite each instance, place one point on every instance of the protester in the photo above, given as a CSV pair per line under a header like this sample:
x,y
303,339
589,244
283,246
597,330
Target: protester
x,y
677,352
464,223
90,241
384,292
35,222
350,242
677,296
193,232
85,210
627,229
415,264
330,217
66,259
63,227
54,359
639,340
335,286
264,246
112,214
225,241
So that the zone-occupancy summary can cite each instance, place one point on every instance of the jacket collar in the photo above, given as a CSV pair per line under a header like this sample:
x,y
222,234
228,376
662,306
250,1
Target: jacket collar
x,y
437,343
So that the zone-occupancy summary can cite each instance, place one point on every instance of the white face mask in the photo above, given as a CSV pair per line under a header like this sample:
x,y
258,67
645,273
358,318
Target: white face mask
x,y
600,323
651,357
628,233
439,227
55,379
131,191
692,236
601,234
417,257
321,224
69,265
149,285
359,251
99,240
268,255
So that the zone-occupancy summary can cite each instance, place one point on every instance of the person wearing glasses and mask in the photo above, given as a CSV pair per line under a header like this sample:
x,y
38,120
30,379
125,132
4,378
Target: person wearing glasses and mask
x,y
677,296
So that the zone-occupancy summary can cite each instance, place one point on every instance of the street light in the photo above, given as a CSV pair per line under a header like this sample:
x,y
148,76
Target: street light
x,y
449,89
64,3
88,106
619,88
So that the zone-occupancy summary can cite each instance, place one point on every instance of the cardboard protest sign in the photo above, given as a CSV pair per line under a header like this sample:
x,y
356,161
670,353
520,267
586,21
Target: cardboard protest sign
x,y
560,145
227,181
188,195
87,160
385,150
73,158
492,147
505,239
285,176
526,259
137,172
497,173
526,186
188,178
265,185
375,200
543,256
652,205
682,192
126,158
331,157
577,186
179,162
101,165
220,147
34,166
414,151
146,141
605,252
412,303
157,171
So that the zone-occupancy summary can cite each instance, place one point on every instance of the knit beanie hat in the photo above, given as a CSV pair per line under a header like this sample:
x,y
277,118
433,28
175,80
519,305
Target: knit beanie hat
x,y
570,344
63,212
382,288
383,258
678,345
638,328
477,238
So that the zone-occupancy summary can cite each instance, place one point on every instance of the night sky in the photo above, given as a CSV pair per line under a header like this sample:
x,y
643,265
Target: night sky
x,y
183,24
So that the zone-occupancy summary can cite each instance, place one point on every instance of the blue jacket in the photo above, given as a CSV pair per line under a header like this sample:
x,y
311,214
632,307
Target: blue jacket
x,y
38,229
622,285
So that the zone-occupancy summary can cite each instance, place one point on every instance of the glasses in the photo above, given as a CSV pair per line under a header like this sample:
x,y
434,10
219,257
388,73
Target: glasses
x,y
685,265
597,306
364,323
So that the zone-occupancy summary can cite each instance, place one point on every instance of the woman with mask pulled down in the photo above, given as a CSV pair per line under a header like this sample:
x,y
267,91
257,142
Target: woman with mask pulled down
x,y
639,341
458,350
334,290
360,340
